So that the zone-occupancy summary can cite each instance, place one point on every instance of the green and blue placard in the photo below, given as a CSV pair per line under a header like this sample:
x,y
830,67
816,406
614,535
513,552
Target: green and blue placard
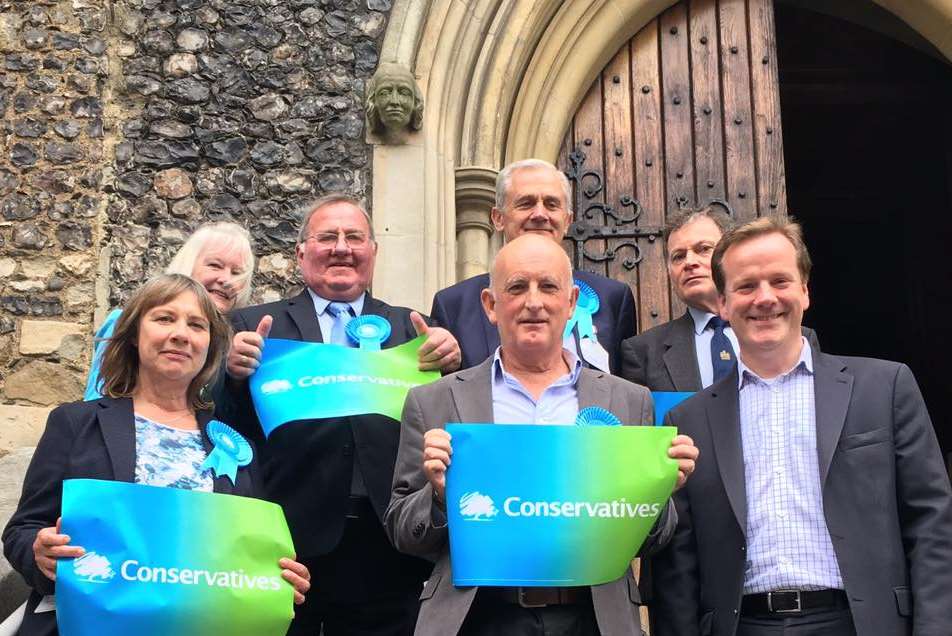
x,y
535,505
306,380
664,401
163,561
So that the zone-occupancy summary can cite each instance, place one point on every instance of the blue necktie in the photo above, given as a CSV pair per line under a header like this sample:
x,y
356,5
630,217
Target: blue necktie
x,y
722,353
342,316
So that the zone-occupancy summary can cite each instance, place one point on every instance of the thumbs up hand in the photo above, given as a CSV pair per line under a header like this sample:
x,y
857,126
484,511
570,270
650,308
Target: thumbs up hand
x,y
440,349
244,356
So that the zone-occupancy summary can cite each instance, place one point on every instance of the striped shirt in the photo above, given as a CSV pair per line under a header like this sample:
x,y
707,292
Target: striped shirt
x,y
788,543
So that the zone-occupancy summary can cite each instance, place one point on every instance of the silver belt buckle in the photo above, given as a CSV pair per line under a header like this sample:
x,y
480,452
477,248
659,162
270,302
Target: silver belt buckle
x,y
521,594
796,596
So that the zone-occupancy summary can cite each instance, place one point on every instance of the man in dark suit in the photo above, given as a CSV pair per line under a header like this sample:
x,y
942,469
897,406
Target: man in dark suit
x,y
532,196
823,506
530,301
333,476
688,353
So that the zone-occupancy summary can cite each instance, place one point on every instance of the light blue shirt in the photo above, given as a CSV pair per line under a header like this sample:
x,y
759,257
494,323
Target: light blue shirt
x,y
702,344
325,318
788,543
513,404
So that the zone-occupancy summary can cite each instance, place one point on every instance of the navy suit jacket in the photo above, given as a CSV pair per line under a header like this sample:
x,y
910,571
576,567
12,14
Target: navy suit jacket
x,y
460,310
82,440
886,497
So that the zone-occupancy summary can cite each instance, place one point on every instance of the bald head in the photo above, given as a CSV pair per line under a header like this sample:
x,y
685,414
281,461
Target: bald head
x,y
534,246
531,296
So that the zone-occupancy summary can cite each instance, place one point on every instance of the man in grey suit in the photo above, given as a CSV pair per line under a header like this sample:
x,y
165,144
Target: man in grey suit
x,y
530,378
691,352
822,506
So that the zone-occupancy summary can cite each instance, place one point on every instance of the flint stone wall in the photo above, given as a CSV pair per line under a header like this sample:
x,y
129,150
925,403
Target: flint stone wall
x,y
126,124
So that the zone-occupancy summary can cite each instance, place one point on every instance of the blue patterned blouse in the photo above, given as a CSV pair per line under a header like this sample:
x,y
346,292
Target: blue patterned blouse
x,y
167,456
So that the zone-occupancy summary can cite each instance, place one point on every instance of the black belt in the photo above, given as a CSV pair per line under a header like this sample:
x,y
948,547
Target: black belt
x,y
792,601
538,596
359,508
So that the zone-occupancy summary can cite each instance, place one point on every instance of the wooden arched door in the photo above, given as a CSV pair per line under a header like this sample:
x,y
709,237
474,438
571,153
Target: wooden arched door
x,y
686,113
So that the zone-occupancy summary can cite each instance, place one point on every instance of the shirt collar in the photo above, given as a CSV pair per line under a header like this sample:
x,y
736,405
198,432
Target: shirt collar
x,y
575,369
701,318
745,375
321,303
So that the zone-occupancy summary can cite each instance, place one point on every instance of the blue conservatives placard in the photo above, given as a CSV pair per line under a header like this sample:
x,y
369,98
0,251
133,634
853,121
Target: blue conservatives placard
x,y
536,505
163,561
312,381
664,401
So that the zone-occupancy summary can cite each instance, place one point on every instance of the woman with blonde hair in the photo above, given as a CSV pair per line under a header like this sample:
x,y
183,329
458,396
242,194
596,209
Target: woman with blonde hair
x,y
217,255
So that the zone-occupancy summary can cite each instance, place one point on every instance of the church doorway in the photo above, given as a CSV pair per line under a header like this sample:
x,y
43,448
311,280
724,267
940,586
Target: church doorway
x,y
868,154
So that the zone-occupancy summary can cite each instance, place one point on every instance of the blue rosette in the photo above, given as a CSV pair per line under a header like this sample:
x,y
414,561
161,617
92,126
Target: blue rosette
x,y
587,306
369,331
230,451
596,416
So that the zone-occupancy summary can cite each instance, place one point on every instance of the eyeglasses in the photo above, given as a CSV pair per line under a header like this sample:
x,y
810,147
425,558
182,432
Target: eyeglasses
x,y
354,239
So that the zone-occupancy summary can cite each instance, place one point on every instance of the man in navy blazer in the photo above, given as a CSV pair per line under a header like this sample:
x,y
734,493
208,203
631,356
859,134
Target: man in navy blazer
x,y
823,505
533,196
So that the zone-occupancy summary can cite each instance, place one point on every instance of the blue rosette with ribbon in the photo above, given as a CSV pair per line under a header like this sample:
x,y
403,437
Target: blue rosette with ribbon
x,y
231,451
369,331
587,306
596,416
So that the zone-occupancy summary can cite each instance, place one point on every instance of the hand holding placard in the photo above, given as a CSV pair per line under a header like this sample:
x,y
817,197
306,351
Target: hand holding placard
x,y
686,453
437,456
50,544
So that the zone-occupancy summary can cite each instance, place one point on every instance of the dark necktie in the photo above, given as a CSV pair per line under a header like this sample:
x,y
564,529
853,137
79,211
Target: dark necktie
x,y
722,353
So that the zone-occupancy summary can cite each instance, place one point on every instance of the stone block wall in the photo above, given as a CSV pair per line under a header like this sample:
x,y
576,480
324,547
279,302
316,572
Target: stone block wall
x,y
126,124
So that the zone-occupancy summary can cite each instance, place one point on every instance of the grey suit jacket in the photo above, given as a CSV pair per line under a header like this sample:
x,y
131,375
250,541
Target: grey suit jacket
x,y
886,499
417,526
664,358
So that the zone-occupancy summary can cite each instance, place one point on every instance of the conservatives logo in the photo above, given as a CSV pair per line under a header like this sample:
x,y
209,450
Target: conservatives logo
x,y
93,568
475,506
276,386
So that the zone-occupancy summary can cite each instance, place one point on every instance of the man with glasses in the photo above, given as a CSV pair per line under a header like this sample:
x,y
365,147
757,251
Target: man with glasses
x,y
333,476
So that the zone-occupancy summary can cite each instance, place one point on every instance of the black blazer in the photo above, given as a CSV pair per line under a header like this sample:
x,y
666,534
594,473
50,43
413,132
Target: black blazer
x,y
82,440
460,310
886,497
664,358
307,466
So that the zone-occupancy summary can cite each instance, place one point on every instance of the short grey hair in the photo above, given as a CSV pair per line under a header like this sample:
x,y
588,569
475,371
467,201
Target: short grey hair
x,y
307,210
226,234
504,180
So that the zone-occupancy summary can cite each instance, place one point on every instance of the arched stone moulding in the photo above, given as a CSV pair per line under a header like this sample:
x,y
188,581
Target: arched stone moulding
x,y
502,79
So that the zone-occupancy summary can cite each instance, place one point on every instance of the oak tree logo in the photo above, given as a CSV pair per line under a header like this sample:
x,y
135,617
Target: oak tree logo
x,y
276,386
475,506
93,568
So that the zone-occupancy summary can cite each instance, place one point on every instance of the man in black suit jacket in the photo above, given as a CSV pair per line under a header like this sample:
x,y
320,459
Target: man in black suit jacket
x,y
823,506
674,356
533,196
333,476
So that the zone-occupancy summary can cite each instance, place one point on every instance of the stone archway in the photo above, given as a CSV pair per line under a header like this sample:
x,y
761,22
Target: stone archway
x,y
502,80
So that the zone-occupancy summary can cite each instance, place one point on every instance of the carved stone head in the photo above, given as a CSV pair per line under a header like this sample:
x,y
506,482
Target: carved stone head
x,y
394,104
